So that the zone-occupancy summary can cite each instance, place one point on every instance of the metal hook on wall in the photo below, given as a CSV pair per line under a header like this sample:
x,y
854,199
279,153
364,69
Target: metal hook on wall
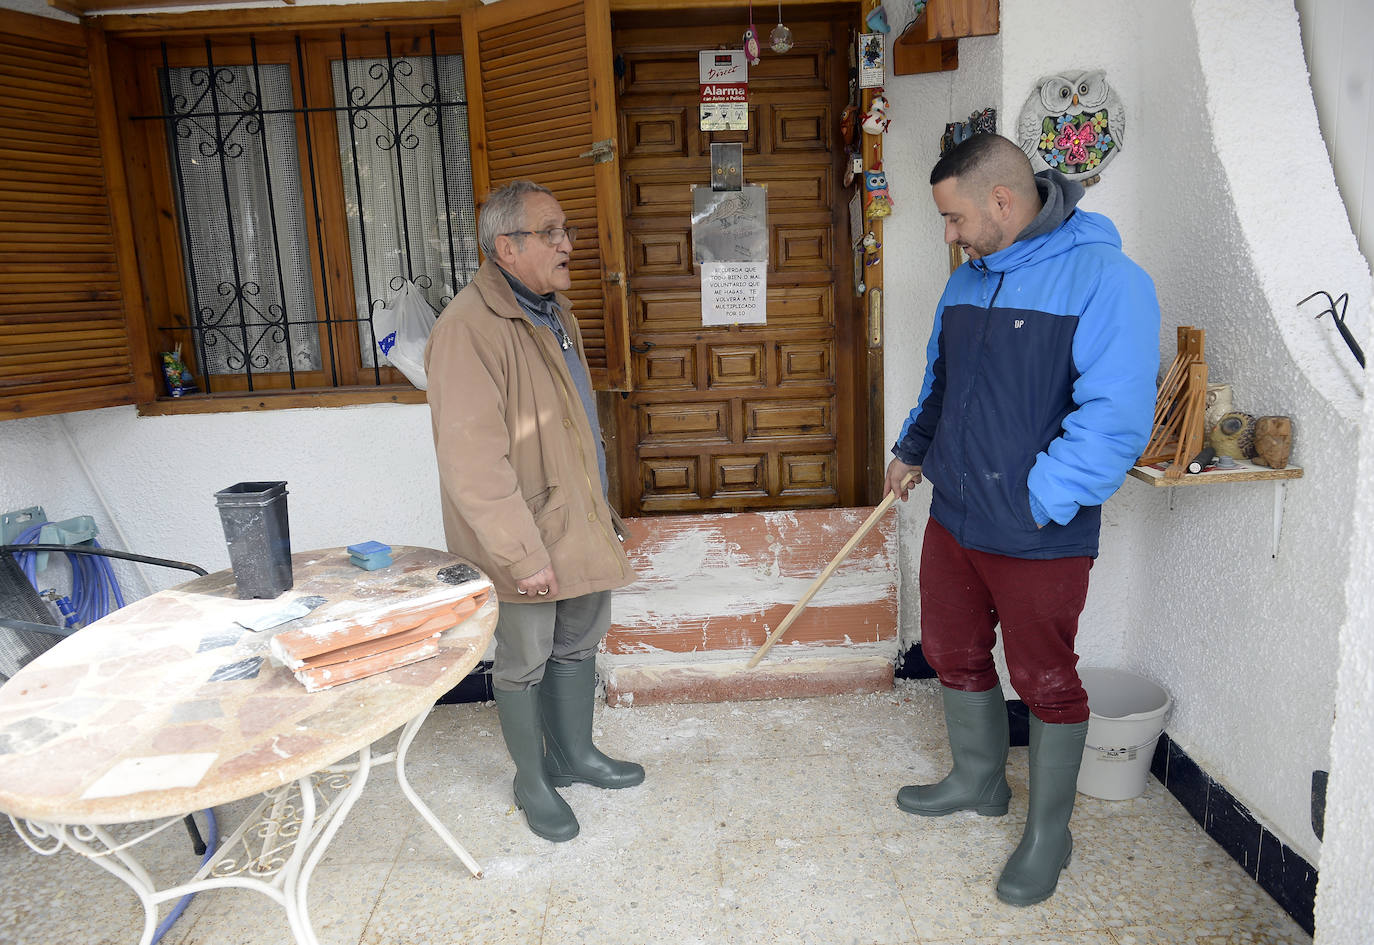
x,y
1339,318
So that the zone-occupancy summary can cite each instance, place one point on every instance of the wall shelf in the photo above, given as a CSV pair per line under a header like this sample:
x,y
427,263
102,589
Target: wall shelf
x,y
931,42
1245,471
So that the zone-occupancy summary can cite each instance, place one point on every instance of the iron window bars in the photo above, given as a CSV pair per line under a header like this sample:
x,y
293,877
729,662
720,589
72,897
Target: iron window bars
x,y
237,165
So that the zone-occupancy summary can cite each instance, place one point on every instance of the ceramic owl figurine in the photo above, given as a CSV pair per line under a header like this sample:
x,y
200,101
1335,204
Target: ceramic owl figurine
x,y
877,201
1074,123
1234,435
1273,441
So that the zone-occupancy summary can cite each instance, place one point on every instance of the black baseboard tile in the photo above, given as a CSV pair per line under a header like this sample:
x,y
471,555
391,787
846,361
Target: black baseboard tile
x,y
1279,870
475,687
912,665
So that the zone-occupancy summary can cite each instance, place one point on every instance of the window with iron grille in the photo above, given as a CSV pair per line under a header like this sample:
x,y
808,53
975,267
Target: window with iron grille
x,y
309,179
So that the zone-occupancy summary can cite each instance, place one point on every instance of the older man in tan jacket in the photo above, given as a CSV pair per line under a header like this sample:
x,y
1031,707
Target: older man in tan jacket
x,y
522,472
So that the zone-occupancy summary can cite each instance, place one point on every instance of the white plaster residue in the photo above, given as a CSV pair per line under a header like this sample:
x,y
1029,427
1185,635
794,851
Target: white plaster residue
x,y
152,773
698,574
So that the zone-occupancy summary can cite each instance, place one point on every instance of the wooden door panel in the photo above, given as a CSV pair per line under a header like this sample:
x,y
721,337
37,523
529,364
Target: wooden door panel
x,y
804,474
772,419
740,476
803,247
736,366
667,368
751,139
679,310
800,128
658,64
654,132
743,416
659,253
805,362
671,422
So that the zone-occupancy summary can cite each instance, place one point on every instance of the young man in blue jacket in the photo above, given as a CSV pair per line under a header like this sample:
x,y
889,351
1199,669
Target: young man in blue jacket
x,y
1039,395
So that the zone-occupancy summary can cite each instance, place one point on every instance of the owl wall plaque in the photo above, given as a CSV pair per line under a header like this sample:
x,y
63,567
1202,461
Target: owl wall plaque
x,y
1074,123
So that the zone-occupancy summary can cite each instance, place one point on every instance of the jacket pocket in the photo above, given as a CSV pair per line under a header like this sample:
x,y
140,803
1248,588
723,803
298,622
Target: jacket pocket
x,y
550,511
1020,499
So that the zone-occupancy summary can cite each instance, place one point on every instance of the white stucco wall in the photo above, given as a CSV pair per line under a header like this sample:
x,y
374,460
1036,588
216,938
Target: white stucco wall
x,y
1345,908
352,474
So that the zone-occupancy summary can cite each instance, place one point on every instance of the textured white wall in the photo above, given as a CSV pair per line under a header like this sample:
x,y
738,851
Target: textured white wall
x,y
1345,909
352,474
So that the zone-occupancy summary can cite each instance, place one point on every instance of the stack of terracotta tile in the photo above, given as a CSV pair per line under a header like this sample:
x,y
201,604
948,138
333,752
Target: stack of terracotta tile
x,y
341,650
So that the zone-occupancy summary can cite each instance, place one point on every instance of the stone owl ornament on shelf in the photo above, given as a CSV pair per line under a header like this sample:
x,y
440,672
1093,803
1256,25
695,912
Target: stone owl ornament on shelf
x,y
1234,435
1074,123
1273,441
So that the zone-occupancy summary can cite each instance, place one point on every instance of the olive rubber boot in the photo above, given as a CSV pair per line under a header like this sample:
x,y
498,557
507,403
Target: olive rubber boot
x,y
1032,873
978,740
547,814
567,694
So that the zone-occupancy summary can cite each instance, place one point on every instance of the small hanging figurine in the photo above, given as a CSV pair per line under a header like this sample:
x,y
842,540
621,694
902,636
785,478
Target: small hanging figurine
x,y
876,120
751,40
877,201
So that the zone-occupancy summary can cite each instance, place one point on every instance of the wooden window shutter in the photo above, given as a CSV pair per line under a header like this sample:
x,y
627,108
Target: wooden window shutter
x,y
65,342
541,94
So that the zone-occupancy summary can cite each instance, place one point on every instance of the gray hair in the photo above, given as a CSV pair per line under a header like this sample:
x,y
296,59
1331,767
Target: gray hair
x,y
504,212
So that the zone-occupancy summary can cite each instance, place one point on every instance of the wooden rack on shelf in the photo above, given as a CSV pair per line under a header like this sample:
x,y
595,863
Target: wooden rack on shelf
x,y
1177,435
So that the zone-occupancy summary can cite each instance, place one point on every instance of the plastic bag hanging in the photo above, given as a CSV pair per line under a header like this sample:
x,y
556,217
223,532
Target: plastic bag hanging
x,y
402,328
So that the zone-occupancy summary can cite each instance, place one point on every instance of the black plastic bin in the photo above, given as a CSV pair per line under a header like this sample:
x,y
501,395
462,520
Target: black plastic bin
x,y
259,537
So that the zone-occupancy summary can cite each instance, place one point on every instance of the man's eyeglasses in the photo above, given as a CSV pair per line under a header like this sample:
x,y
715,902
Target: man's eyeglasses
x,y
553,236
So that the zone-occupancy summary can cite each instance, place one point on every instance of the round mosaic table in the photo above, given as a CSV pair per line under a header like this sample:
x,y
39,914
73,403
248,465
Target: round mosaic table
x,y
173,705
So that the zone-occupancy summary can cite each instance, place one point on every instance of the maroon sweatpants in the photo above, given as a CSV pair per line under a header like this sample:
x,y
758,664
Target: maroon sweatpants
x,y
965,594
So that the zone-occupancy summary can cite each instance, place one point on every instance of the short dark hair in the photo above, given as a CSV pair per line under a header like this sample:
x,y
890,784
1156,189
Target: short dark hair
x,y
972,156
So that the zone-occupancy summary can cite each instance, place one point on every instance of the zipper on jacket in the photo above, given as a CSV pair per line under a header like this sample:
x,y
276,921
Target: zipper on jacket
x,y
968,396
577,445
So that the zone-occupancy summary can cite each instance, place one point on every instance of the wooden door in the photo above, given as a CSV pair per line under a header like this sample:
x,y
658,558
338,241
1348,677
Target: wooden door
x,y
541,98
738,417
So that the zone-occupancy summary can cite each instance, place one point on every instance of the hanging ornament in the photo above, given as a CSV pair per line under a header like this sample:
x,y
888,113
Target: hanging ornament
x,y
877,200
781,37
751,39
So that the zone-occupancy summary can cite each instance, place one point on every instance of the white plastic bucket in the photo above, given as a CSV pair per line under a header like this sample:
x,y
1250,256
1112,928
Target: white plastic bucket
x,y
1125,718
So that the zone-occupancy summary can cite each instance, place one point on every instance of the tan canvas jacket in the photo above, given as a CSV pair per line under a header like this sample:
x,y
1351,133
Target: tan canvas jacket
x,y
518,476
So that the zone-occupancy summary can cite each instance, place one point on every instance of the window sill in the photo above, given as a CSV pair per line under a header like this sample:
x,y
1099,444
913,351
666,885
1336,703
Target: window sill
x,y
238,402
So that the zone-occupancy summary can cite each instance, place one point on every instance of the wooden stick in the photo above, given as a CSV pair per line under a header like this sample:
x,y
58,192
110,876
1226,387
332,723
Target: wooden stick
x,y
795,612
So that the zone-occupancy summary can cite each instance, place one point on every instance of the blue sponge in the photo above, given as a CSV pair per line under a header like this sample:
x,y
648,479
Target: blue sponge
x,y
371,562
364,548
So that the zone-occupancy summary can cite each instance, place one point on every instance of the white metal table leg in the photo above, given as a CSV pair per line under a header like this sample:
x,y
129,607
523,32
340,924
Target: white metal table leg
x,y
407,735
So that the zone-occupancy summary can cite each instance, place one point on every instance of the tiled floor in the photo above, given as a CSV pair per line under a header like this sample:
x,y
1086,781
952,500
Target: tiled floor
x,y
759,823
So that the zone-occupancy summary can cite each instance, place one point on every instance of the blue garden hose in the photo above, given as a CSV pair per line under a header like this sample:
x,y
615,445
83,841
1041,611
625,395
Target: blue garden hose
x,y
211,843
94,587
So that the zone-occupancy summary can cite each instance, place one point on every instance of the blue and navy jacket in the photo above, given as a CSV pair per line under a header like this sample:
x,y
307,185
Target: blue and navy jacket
x,y
1039,392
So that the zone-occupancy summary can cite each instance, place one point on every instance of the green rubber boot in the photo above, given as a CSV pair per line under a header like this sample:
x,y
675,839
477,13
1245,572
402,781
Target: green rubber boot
x,y
1032,873
567,694
978,739
547,814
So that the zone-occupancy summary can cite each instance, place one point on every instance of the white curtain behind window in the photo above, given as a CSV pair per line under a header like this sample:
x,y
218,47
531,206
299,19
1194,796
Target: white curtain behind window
x,y
243,219
398,140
